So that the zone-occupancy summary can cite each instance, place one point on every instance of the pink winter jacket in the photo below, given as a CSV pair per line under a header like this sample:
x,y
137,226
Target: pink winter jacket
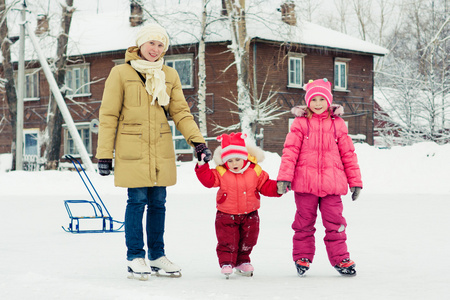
x,y
319,157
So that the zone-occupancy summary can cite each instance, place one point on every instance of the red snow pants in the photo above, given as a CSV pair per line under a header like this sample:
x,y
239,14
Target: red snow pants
x,y
236,237
331,208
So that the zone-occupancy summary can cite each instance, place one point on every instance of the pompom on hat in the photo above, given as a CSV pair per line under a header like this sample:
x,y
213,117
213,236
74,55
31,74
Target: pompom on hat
x,y
319,87
152,32
233,146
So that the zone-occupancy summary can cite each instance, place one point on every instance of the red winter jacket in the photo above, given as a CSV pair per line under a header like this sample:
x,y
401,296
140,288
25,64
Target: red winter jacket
x,y
238,193
318,157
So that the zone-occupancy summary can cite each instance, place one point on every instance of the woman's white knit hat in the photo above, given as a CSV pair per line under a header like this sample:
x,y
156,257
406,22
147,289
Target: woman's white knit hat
x,y
153,32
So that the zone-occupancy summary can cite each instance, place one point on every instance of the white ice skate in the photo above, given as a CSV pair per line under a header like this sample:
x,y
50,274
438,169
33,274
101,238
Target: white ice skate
x,y
138,267
170,269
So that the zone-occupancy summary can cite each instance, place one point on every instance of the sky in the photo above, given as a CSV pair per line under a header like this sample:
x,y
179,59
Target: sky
x,y
397,235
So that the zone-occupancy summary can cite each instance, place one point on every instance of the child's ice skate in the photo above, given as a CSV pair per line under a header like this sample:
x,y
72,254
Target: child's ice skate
x,y
227,270
138,266
170,269
346,267
302,266
245,269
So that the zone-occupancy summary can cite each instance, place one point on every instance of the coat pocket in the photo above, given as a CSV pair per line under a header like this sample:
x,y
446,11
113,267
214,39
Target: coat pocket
x,y
133,93
129,142
222,198
165,146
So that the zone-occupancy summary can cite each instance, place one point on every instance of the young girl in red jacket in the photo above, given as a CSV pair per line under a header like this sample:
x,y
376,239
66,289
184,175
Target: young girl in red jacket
x,y
319,164
240,180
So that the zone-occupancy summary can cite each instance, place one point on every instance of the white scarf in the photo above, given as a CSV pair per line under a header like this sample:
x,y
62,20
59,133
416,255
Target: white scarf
x,y
155,82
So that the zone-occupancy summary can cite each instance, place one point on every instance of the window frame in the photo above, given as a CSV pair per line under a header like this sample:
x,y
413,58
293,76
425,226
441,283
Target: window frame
x,y
179,58
296,57
176,137
80,126
34,74
31,131
84,86
338,63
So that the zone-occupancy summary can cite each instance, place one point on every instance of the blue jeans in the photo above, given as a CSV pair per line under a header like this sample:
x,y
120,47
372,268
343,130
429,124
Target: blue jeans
x,y
138,198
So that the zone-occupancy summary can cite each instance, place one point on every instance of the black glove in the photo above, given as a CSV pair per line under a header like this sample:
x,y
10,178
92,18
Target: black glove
x,y
283,187
104,166
355,192
202,150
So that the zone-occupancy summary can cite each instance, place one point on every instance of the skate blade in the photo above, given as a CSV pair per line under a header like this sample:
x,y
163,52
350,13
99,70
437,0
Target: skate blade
x,y
165,274
138,276
245,274
348,274
227,275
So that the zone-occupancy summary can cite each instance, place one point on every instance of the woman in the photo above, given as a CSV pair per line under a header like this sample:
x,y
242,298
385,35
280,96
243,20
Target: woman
x,y
135,132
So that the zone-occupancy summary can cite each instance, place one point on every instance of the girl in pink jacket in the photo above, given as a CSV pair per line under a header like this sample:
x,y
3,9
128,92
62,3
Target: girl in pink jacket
x,y
240,180
319,164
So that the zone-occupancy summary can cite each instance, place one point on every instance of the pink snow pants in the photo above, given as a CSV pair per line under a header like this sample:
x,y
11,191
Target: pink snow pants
x,y
331,208
236,237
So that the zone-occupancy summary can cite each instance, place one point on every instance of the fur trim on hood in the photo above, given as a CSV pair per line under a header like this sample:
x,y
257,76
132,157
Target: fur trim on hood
x,y
255,154
300,111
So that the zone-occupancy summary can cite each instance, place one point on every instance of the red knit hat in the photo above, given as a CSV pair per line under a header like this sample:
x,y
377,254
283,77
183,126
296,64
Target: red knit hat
x,y
319,87
233,146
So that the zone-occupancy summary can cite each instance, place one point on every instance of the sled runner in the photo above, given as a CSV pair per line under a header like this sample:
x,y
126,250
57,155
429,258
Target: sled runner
x,y
91,209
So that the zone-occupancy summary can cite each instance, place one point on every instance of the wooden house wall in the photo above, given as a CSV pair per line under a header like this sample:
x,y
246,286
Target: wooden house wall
x,y
272,72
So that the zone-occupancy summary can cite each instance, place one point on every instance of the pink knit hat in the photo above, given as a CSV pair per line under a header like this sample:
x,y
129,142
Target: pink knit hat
x,y
319,87
233,146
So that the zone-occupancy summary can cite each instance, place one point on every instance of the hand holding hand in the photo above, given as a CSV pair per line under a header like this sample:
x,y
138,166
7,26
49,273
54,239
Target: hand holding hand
x,y
355,192
283,187
203,153
104,166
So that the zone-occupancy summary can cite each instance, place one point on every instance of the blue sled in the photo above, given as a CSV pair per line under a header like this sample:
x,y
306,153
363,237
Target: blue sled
x,y
95,207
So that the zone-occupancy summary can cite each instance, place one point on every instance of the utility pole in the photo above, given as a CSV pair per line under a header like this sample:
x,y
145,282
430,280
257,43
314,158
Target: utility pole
x,y
21,91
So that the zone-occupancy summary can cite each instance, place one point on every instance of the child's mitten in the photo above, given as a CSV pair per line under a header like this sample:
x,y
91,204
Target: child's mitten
x,y
283,187
355,192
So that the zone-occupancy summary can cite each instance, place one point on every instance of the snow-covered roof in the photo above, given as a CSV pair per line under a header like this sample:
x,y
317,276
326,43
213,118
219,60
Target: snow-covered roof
x,y
104,26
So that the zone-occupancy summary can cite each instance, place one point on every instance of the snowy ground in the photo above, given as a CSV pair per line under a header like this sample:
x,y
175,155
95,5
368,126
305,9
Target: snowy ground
x,y
397,231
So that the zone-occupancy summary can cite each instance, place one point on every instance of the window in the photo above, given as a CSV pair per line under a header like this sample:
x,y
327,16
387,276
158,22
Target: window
x,y
119,61
30,142
179,143
31,85
31,92
77,80
183,65
85,134
295,72
340,73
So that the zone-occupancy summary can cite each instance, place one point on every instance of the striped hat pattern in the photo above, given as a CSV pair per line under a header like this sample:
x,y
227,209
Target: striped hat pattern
x,y
233,146
319,87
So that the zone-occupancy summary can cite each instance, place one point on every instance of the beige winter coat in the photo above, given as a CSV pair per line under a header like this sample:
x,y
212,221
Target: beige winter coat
x,y
137,134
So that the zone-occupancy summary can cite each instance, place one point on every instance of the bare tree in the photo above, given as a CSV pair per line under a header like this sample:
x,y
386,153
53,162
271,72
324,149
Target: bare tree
x,y
418,71
202,72
342,8
362,11
307,8
9,86
54,125
240,44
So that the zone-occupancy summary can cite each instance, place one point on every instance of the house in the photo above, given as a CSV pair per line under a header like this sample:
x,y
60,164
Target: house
x,y
284,54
